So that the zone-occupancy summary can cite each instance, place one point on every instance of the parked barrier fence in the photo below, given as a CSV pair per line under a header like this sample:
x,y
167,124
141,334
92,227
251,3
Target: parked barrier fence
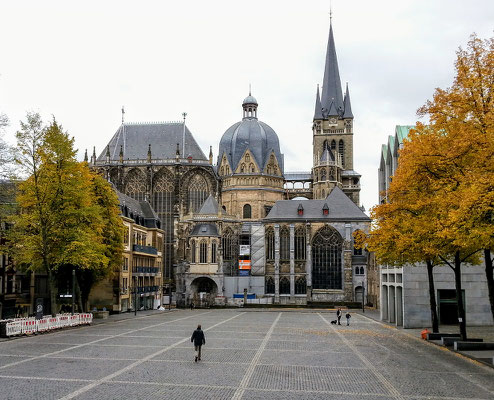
x,y
27,326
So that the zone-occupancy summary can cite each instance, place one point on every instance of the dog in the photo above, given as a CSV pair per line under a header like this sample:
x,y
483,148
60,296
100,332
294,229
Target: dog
x,y
333,322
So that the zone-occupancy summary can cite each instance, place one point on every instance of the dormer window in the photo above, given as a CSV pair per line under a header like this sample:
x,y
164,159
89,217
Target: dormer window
x,y
300,210
325,209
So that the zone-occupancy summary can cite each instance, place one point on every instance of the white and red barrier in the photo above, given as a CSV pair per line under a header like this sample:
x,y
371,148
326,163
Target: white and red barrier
x,y
27,326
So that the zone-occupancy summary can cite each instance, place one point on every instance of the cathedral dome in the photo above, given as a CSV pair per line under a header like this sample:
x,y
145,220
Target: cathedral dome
x,y
250,134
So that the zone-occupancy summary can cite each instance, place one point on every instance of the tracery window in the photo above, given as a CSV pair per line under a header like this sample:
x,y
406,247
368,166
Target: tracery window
x,y
197,193
213,252
269,285
135,185
284,244
163,200
242,168
251,167
300,243
269,237
284,285
327,248
193,252
300,285
341,150
229,242
333,145
203,252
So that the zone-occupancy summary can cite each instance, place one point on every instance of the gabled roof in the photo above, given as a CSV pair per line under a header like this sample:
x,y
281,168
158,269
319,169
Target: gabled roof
x,y
210,206
402,131
341,208
331,86
135,138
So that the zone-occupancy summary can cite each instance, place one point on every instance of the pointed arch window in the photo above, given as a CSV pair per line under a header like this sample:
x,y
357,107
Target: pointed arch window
x,y
251,167
284,285
213,252
247,211
341,150
269,285
333,144
300,285
242,168
325,145
300,243
193,252
269,237
284,244
203,252
135,185
327,266
197,193
230,245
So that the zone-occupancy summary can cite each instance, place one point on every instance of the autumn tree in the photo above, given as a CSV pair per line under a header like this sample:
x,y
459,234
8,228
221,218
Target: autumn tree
x,y
61,221
464,115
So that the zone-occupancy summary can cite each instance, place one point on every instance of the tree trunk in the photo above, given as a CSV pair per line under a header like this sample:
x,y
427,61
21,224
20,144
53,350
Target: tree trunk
x,y
79,297
53,292
459,297
489,273
432,297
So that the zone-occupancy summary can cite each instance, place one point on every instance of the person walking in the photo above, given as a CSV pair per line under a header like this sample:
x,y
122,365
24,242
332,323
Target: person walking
x,y
338,315
198,339
348,316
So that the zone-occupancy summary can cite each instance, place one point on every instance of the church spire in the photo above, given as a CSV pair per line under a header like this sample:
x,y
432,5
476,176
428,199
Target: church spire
x,y
331,86
348,107
318,110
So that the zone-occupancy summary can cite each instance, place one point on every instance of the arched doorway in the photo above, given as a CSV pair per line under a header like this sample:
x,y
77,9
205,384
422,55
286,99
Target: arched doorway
x,y
203,291
358,294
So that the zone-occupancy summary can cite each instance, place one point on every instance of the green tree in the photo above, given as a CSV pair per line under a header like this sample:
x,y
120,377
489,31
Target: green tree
x,y
61,222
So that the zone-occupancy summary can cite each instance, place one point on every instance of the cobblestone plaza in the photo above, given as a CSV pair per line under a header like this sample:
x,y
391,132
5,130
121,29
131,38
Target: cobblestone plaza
x,y
248,355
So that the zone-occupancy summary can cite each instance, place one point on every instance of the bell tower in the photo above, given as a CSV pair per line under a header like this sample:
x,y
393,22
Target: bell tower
x,y
332,133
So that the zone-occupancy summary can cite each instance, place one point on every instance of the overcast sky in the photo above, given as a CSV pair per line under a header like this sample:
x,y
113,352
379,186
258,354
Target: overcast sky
x,y
82,61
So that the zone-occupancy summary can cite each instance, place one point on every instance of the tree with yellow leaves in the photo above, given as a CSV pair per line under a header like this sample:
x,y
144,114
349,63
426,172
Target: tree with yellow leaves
x,y
67,215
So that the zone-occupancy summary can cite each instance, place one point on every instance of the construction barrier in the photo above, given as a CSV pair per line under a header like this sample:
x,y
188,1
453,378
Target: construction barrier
x,y
27,326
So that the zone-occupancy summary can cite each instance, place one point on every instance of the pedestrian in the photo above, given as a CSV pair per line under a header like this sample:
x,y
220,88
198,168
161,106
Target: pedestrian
x,y
338,315
198,339
348,316
191,305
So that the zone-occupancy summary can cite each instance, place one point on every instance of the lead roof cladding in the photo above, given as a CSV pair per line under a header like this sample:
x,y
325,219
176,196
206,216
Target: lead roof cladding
x,y
163,137
209,207
341,208
252,134
331,89
138,208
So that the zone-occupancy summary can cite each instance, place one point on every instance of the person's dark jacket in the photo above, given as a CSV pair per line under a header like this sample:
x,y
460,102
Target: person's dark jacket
x,y
198,337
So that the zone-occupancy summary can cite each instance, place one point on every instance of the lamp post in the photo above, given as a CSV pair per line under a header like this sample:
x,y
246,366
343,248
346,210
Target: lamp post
x,y
363,298
73,290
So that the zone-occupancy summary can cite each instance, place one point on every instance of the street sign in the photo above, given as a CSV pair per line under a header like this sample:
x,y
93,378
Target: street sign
x,y
244,250
244,264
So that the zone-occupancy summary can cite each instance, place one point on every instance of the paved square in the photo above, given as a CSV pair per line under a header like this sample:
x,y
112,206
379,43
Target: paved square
x,y
248,355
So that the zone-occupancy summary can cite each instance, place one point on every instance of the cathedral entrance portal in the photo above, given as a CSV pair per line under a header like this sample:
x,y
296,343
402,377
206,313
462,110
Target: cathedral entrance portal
x,y
203,291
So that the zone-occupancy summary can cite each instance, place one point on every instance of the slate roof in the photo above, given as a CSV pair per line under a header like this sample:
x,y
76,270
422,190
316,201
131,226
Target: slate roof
x,y
341,208
318,108
331,89
204,230
293,176
140,211
347,106
250,134
210,206
327,155
163,137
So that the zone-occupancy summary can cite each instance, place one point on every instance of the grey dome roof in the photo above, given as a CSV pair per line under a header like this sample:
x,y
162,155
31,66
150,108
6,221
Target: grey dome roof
x,y
249,100
252,134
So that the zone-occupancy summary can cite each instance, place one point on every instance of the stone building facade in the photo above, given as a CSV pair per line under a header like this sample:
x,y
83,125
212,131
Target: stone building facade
x,y
241,225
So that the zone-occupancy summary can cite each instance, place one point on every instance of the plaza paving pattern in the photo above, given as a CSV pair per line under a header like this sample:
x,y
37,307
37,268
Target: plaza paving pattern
x,y
248,355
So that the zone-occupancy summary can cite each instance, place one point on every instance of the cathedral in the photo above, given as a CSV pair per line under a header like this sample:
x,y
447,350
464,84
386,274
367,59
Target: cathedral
x,y
241,225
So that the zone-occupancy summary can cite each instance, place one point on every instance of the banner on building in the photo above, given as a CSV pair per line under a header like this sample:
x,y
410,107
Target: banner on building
x,y
244,264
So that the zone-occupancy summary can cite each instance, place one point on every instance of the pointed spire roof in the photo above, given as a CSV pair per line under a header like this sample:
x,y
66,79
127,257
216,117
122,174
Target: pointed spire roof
x,y
348,107
318,110
327,155
209,207
331,86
